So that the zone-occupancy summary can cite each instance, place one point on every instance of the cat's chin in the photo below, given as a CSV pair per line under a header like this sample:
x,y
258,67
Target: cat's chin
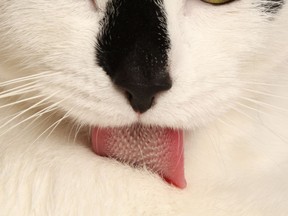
x,y
157,149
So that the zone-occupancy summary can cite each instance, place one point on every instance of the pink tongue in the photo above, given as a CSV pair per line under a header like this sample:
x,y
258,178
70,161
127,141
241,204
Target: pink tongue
x,y
157,149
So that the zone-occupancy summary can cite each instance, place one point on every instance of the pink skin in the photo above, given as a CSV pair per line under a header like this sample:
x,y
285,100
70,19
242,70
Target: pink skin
x,y
160,150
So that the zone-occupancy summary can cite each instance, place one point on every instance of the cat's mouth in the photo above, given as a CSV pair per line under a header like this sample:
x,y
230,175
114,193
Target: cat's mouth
x,y
160,150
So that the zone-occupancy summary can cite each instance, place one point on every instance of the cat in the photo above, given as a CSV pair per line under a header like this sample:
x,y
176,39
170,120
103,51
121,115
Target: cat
x,y
215,71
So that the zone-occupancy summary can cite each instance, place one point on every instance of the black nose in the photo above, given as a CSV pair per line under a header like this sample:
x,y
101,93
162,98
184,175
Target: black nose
x,y
142,95
133,48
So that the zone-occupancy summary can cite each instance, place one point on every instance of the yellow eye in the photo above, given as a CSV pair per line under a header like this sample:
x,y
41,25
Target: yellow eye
x,y
217,2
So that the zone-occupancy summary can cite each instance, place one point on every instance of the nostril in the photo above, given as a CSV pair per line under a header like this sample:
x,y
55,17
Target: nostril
x,y
129,96
152,101
141,97
140,102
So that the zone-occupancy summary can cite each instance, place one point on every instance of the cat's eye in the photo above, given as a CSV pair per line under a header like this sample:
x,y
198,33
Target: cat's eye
x,y
217,2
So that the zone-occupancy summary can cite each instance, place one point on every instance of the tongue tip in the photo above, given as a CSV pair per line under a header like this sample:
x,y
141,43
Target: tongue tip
x,y
176,175
179,183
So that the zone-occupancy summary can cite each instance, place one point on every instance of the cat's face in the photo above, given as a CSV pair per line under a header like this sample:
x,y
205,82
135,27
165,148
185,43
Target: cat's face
x,y
207,54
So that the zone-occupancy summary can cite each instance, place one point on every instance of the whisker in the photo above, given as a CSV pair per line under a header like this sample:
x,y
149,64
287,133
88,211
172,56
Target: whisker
x,y
264,104
75,123
42,112
19,92
262,124
53,126
26,110
17,88
284,139
245,114
263,84
20,79
253,109
259,120
21,101
265,93
77,132
8,117
89,134
23,121
250,83
27,78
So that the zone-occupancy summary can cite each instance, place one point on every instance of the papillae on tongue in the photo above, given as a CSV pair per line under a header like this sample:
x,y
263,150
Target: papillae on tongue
x,y
160,150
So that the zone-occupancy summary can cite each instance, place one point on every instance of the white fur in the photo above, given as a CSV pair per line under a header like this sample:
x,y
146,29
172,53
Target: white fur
x,y
229,68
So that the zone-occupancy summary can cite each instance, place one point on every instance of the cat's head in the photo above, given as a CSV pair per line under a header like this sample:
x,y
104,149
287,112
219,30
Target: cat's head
x,y
178,63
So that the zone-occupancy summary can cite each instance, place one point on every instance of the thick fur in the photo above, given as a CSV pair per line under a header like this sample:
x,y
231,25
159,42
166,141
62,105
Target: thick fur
x,y
229,69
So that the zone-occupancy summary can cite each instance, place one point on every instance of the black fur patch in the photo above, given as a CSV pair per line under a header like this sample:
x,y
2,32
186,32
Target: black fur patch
x,y
133,42
272,6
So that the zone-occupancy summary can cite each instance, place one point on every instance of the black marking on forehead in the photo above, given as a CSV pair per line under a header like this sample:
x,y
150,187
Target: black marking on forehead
x,y
133,41
272,6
